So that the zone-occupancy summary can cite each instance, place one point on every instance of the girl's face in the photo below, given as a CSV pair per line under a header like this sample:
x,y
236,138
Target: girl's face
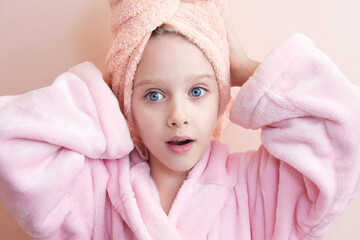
x,y
175,97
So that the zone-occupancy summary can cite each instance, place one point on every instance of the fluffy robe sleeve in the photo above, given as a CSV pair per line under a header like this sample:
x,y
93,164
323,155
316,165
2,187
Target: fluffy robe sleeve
x,y
50,139
307,169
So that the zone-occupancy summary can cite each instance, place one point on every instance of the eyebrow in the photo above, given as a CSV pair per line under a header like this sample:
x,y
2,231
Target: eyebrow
x,y
191,78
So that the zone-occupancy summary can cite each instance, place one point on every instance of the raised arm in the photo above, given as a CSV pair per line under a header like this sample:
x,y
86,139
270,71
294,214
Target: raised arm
x,y
51,140
307,170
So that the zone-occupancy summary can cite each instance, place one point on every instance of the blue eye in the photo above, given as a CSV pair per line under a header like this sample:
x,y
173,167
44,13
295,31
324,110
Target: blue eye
x,y
154,96
197,92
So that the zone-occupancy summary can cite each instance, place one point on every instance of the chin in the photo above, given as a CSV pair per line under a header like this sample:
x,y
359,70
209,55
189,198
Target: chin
x,y
184,167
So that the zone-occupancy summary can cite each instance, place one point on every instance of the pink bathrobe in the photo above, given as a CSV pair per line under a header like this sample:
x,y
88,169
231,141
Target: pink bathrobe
x,y
67,169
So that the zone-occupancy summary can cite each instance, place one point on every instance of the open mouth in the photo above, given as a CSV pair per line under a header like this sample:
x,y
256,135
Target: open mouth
x,y
180,147
180,143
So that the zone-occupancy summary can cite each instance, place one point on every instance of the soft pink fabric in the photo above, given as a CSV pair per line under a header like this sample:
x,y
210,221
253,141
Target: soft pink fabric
x,y
132,23
67,169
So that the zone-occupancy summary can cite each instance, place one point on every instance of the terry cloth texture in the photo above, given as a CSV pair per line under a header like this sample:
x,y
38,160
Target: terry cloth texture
x,y
68,169
132,23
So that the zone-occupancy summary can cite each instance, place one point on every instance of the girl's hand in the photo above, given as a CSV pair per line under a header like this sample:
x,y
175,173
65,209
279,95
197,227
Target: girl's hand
x,y
241,66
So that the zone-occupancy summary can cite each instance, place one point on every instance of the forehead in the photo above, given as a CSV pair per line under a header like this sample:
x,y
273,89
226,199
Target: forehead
x,y
172,56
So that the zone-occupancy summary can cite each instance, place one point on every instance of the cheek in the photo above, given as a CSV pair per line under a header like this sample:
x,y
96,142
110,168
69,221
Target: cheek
x,y
146,123
209,111
206,122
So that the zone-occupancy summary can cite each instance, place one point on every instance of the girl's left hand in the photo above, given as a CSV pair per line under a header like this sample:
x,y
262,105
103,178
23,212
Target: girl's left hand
x,y
241,66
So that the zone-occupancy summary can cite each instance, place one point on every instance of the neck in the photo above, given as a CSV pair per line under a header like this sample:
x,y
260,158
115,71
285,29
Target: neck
x,y
168,183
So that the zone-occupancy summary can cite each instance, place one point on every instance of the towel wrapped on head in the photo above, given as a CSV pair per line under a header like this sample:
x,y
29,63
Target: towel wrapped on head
x,y
132,23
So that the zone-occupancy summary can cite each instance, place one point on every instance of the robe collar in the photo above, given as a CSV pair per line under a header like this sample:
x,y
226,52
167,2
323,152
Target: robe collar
x,y
134,195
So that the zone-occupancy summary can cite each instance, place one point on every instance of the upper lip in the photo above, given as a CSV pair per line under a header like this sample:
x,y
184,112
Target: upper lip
x,y
179,138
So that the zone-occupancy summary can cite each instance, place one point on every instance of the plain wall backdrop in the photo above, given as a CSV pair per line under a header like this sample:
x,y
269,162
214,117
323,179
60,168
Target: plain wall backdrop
x,y
41,39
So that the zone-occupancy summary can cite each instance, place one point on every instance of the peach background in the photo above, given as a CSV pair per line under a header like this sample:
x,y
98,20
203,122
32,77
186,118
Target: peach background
x,y
41,39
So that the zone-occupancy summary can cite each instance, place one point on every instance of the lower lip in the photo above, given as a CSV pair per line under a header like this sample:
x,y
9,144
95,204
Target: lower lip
x,y
180,149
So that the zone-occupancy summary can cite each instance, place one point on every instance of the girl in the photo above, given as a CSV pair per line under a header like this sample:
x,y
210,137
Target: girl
x,y
69,169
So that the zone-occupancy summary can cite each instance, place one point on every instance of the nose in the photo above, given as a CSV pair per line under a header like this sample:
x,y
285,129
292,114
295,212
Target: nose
x,y
178,116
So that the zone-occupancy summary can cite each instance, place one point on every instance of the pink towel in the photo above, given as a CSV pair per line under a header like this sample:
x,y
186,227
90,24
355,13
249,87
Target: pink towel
x,y
132,23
